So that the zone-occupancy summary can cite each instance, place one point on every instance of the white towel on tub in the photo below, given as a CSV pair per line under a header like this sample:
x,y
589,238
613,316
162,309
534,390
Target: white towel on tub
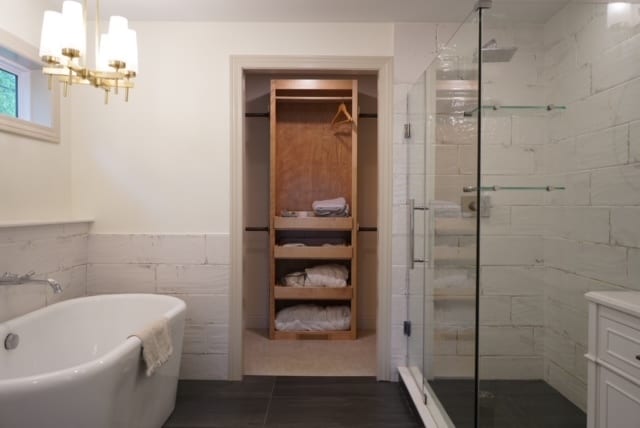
x,y
156,344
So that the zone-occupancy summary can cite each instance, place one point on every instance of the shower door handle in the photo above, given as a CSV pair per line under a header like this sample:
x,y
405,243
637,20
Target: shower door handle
x,y
412,232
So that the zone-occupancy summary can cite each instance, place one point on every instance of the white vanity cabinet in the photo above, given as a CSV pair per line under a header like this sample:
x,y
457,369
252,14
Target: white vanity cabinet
x,y
614,360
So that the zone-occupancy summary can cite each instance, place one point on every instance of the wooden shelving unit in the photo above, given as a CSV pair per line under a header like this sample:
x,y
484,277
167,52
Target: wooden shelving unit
x,y
313,253
313,223
312,159
312,293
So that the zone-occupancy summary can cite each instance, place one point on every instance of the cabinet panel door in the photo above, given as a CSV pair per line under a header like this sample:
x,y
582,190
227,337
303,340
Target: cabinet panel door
x,y
618,401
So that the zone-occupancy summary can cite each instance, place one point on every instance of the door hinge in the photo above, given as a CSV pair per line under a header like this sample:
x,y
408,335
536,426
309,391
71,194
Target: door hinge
x,y
406,328
407,130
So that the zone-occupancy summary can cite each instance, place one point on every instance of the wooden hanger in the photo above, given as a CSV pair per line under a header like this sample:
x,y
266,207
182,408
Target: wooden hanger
x,y
342,109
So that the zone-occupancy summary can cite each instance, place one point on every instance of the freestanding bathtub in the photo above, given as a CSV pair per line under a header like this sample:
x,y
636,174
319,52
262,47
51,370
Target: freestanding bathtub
x,y
76,366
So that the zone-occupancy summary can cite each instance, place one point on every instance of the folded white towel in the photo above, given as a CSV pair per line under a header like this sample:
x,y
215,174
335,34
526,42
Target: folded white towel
x,y
445,209
332,275
313,318
156,344
329,204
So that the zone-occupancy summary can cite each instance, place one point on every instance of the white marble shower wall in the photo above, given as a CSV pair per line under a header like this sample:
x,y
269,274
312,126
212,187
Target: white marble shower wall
x,y
592,239
194,268
511,254
57,251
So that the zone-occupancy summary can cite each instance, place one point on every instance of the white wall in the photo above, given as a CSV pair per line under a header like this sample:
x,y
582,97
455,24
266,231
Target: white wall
x,y
23,18
160,164
34,175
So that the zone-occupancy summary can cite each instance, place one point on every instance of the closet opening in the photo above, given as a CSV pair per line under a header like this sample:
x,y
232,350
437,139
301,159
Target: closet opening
x,y
310,238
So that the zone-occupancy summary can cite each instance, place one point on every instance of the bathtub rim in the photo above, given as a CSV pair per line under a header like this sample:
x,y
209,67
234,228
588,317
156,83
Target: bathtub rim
x,y
92,366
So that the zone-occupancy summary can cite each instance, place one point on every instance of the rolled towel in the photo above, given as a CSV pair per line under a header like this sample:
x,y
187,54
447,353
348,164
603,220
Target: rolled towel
x,y
294,279
156,344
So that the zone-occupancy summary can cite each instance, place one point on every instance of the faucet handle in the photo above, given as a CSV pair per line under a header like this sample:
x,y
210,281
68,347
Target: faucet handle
x,y
8,276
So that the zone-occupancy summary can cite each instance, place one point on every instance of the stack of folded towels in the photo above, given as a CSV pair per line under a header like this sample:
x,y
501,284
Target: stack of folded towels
x,y
313,318
331,276
337,207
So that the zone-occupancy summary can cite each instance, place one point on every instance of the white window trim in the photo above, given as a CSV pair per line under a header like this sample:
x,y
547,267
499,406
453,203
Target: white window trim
x,y
26,128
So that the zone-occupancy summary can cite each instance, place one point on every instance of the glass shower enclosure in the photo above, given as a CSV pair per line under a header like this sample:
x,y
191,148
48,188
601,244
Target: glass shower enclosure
x,y
442,245
523,142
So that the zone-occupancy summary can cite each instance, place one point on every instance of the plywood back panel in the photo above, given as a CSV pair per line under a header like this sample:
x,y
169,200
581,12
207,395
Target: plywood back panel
x,y
313,158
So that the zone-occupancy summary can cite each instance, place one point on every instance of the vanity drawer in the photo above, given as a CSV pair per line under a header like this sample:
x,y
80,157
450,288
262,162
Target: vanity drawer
x,y
619,341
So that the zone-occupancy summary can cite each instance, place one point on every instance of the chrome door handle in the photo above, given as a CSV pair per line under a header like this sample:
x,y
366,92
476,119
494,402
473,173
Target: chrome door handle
x,y
412,232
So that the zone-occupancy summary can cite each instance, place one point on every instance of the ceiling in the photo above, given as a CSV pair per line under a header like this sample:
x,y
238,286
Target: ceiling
x,y
313,10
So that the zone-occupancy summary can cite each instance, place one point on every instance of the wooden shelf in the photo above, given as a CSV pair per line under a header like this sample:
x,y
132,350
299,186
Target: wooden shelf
x,y
312,85
342,252
312,293
315,335
313,223
294,99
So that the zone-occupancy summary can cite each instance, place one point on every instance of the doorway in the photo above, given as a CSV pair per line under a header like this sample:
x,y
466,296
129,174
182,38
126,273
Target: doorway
x,y
254,353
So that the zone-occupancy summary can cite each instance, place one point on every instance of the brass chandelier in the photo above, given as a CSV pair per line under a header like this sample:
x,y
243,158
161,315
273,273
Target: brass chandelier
x,y
63,50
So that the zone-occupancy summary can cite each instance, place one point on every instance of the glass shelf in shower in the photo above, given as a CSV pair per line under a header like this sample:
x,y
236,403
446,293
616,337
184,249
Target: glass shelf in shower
x,y
515,109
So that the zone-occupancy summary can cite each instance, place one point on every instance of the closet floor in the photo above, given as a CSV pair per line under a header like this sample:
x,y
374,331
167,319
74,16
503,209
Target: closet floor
x,y
309,357
293,402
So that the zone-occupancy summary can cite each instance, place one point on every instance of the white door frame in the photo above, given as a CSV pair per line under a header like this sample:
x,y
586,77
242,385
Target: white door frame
x,y
381,65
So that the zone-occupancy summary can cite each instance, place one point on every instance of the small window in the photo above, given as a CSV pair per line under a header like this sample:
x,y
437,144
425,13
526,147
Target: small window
x,y
15,89
8,93
27,106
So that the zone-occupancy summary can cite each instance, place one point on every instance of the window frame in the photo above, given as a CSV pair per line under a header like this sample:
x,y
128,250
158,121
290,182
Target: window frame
x,y
27,55
23,86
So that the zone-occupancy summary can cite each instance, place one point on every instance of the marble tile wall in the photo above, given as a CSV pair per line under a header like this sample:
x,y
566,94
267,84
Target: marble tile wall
x,y
57,251
591,234
194,268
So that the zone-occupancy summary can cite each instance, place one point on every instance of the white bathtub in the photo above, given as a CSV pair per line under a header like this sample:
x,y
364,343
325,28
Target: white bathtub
x,y
75,366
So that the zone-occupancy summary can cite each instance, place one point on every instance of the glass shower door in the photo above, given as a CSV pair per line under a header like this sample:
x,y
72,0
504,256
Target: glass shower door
x,y
414,151
450,289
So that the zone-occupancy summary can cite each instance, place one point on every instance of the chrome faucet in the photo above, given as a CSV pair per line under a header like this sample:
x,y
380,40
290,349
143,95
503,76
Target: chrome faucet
x,y
14,279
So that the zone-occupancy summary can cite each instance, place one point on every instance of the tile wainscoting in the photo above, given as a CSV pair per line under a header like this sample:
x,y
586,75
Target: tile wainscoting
x,y
194,268
55,250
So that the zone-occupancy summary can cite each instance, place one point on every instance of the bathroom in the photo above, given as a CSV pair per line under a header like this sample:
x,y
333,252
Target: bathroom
x,y
146,196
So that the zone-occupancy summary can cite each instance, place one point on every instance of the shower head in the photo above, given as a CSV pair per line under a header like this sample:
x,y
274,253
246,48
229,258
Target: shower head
x,y
492,53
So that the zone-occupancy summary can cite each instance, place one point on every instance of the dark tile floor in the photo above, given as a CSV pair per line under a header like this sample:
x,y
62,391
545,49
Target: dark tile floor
x,y
508,404
292,402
